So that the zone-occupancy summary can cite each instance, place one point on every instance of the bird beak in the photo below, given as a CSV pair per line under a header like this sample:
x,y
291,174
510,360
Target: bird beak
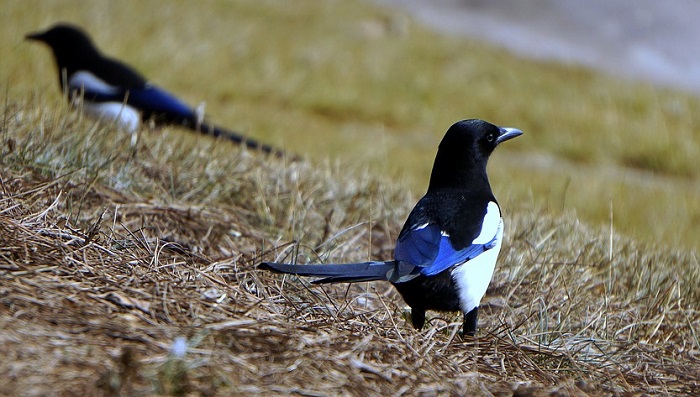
x,y
38,36
508,133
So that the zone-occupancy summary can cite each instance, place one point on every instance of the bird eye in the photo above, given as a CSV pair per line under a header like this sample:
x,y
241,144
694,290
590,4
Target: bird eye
x,y
491,137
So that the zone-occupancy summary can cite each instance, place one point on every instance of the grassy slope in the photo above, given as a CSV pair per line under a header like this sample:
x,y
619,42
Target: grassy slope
x,y
343,81
109,255
184,219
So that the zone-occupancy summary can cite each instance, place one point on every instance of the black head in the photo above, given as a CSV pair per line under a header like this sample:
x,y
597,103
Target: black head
x,y
62,35
71,46
464,152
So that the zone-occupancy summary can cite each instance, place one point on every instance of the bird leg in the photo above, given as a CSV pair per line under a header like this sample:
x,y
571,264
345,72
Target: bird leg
x,y
470,320
418,318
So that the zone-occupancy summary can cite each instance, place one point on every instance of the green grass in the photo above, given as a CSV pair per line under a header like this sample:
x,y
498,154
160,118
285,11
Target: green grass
x,y
110,253
360,85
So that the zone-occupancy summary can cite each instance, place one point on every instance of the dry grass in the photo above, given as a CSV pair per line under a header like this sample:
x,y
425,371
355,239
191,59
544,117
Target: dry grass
x,y
110,259
346,80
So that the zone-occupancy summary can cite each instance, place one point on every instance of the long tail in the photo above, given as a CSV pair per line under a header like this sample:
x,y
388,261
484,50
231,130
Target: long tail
x,y
235,137
343,273
192,121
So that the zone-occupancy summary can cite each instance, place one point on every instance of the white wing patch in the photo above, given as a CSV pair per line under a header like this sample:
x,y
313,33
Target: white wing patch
x,y
89,82
124,115
489,228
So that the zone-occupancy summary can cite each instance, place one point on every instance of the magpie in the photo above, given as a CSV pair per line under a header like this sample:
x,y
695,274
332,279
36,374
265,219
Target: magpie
x,y
109,89
446,253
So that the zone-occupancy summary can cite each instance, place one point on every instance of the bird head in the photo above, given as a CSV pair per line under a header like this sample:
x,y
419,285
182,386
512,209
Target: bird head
x,y
464,152
72,48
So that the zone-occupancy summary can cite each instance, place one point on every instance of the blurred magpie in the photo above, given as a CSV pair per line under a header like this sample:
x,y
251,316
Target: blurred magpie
x,y
107,88
446,252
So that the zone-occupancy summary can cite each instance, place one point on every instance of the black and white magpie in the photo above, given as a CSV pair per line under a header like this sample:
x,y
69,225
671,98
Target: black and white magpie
x,y
446,252
107,88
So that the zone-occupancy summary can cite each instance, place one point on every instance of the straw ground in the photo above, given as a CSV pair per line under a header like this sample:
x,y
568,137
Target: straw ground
x,y
131,271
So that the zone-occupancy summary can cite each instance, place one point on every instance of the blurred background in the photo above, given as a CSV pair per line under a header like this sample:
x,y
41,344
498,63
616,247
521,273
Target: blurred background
x,y
636,39
606,92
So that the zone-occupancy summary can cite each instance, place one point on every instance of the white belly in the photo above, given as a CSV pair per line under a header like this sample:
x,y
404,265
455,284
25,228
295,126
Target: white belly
x,y
123,115
473,277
